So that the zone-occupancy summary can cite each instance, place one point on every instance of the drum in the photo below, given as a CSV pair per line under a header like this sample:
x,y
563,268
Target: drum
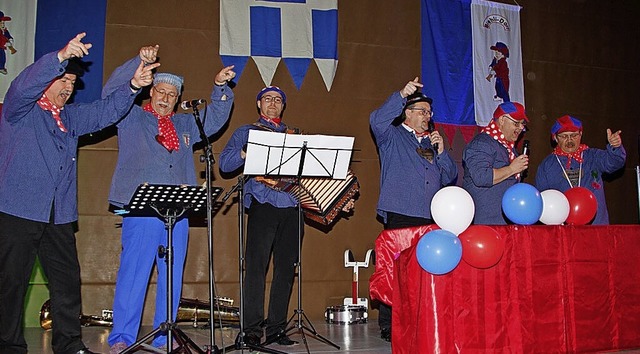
x,y
346,314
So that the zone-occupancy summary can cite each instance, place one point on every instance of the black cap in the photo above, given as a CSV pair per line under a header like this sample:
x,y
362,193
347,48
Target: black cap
x,y
75,66
417,97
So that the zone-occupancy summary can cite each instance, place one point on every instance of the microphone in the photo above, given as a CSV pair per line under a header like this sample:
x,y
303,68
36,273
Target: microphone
x,y
432,127
525,151
191,104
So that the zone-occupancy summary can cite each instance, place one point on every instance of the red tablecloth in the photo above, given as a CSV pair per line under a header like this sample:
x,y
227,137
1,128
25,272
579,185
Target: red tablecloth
x,y
557,289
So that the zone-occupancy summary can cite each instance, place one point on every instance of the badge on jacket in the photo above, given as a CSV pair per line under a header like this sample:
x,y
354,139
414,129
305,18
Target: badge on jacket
x,y
426,153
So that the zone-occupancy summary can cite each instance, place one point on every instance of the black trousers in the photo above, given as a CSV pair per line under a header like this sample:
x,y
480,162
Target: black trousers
x,y
397,221
21,240
270,230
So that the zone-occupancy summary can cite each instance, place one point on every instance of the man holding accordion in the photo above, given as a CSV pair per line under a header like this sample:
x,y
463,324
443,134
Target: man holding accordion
x,y
272,226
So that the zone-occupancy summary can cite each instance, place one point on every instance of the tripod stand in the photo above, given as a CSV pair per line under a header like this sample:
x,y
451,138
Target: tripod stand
x,y
170,202
240,344
296,322
270,153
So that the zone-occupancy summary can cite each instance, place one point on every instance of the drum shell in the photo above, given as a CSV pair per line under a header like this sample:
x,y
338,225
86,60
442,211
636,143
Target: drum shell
x,y
346,314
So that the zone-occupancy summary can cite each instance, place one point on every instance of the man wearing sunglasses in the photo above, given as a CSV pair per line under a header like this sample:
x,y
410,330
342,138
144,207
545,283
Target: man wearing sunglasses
x,y
573,164
491,162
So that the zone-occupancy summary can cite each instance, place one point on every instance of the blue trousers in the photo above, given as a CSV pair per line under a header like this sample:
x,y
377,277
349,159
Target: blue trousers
x,y
141,237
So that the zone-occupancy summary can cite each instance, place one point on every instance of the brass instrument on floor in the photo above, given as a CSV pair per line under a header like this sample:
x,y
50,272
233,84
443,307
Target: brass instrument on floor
x,y
106,319
189,310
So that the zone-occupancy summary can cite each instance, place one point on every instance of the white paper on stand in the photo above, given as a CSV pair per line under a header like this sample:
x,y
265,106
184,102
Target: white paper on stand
x,y
279,154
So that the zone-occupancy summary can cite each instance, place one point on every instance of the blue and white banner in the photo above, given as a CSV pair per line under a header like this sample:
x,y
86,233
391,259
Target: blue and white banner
x,y
471,60
268,31
497,57
40,27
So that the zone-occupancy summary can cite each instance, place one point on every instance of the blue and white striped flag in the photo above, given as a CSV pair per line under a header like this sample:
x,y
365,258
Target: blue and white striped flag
x,y
268,31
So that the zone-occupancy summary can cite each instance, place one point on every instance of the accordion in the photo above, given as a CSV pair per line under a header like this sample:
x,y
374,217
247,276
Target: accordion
x,y
321,198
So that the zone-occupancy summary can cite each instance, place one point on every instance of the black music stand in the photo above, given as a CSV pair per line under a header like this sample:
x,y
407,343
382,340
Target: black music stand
x,y
326,160
239,343
168,202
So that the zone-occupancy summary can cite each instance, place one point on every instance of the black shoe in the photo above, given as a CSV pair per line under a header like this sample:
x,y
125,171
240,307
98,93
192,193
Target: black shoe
x,y
249,339
385,334
281,339
85,351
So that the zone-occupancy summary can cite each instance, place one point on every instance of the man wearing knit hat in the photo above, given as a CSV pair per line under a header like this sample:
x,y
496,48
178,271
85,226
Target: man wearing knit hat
x,y
272,228
39,135
491,162
414,166
155,146
573,164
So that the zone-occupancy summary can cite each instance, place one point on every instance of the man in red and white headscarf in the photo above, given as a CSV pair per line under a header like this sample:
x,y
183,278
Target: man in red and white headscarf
x,y
491,163
573,164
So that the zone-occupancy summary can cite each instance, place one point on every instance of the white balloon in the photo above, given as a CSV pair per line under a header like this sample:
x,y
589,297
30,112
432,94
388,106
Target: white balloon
x,y
555,207
452,208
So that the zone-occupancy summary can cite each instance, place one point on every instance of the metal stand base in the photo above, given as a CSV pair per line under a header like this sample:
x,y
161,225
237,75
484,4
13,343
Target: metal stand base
x,y
298,326
185,344
296,321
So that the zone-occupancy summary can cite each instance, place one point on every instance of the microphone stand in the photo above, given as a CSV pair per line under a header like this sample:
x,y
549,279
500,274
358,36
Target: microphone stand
x,y
208,158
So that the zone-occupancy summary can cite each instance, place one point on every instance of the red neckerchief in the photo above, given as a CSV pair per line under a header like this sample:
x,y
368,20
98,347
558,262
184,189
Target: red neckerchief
x,y
576,155
495,133
275,121
418,135
167,135
45,103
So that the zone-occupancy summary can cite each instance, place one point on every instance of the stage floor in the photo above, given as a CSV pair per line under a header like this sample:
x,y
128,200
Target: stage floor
x,y
354,338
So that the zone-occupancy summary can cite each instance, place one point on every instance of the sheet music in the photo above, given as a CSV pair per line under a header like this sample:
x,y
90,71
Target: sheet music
x,y
279,154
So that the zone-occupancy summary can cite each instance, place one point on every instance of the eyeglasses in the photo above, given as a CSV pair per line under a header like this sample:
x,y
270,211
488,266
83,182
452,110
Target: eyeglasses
x,y
274,99
171,94
567,136
423,112
522,124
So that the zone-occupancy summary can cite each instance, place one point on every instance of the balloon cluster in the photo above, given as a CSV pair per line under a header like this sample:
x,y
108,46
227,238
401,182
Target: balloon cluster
x,y
440,251
523,204
452,208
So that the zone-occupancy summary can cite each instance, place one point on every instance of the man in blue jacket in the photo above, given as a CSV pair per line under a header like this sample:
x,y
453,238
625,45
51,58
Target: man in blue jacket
x,y
38,188
573,164
491,163
272,228
414,165
155,145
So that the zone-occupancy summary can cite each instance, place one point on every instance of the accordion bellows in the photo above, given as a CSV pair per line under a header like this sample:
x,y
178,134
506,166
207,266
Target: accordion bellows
x,y
321,198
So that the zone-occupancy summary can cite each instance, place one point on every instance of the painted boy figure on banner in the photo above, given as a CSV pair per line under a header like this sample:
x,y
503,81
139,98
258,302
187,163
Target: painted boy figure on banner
x,y
6,42
500,70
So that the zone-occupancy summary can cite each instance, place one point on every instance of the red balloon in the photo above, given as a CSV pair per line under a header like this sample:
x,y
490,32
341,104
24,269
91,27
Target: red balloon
x,y
482,246
582,206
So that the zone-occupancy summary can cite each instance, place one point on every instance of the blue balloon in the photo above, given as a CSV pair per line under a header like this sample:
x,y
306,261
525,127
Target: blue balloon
x,y
439,251
522,204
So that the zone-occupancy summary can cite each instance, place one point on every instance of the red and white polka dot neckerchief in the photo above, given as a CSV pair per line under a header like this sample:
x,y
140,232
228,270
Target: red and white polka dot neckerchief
x,y
167,135
47,105
576,155
496,134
